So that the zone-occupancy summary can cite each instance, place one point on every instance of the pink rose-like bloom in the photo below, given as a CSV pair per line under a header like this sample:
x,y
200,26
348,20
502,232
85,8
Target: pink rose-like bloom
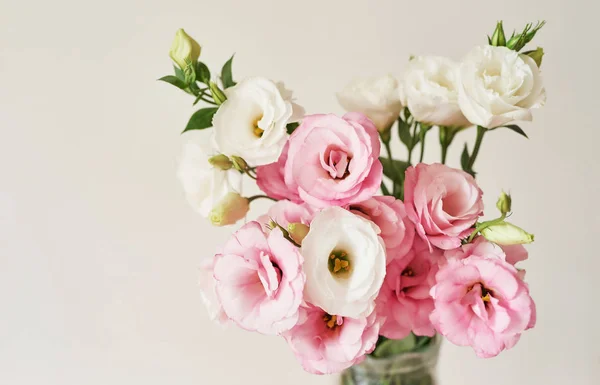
x,y
482,302
483,248
326,344
259,280
286,212
404,298
389,214
443,203
334,161
270,179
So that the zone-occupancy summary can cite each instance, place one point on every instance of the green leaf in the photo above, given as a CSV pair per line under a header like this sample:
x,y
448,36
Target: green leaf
x,y
226,76
174,80
390,348
517,129
291,127
202,72
404,133
464,158
399,166
201,119
179,73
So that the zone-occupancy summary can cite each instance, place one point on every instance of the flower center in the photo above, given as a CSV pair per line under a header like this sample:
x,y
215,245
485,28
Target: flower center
x,y
336,162
339,264
486,294
332,321
408,272
258,132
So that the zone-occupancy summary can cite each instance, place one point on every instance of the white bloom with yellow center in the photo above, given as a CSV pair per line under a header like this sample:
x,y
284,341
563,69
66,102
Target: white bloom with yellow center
x,y
344,263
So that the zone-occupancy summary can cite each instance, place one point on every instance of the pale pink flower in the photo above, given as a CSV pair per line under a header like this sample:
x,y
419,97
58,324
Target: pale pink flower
x,y
389,214
285,212
404,298
270,179
326,344
443,202
259,280
208,294
484,248
334,161
480,301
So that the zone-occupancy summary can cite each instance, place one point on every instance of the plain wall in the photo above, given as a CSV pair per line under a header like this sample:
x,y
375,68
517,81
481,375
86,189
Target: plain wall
x,y
99,251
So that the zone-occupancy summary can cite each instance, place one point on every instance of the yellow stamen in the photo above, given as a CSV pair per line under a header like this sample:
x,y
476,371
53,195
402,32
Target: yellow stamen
x,y
258,131
330,321
486,297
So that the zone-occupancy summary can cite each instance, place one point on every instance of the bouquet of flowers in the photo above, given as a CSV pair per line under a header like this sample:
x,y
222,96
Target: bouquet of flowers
x,y
362,254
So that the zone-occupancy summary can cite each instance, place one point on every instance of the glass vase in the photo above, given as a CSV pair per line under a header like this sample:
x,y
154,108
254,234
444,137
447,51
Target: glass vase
x,y
410,368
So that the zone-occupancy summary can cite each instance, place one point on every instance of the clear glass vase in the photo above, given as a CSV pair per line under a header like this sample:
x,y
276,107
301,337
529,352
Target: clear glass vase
x,y
410,368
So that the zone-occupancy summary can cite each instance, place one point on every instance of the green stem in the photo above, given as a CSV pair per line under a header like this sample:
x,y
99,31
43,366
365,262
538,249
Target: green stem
x,y
413,144
422,134
480,132
388,149
484,225
444,153
255,197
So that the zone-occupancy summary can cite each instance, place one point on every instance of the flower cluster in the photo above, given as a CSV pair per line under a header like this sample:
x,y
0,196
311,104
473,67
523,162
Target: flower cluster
x,y
360,248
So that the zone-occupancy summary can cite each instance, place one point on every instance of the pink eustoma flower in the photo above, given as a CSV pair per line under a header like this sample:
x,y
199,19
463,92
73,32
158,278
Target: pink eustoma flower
x,y
480,301
404,299
259,280
326,344
270,179
443,203
389,214
334,161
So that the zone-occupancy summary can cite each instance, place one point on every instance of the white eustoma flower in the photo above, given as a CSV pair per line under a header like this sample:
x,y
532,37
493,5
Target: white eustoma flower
x,y
429,91
344,263
205,186
497,85
376,97
251,123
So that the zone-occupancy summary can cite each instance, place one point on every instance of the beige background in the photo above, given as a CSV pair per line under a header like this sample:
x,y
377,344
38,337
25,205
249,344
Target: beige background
x,y
99,250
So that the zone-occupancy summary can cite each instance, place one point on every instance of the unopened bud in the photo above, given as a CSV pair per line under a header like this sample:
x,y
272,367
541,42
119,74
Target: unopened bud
x,y
505,233
297,232
185,51
504,203
229,210
221,161
239,163
498,39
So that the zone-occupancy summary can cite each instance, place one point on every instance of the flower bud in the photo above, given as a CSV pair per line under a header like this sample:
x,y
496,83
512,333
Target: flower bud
x,y
505,233
536,55
185,51
504,203
221,161
229,210
297,232
217,94
239,163
498,39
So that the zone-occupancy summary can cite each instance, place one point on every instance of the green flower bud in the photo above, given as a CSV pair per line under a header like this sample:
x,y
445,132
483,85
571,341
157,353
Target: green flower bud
x,y
221,161
185,51
505,233
217,94
498,39
229,210
297,232
239,163
536,55
504,203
